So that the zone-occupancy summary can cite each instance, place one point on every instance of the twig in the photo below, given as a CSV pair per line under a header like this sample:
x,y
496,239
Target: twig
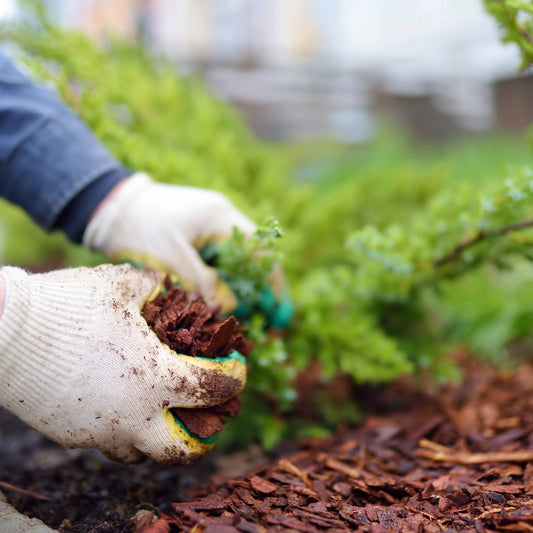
x,y
100,526
524,33
430,445
343,468
480,236
523,525
423,513
8,486
436,452
519,525
291,468
495,510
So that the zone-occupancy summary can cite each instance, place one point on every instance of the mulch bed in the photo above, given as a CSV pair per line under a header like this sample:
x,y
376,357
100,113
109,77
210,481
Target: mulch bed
x,y
458,459
426,459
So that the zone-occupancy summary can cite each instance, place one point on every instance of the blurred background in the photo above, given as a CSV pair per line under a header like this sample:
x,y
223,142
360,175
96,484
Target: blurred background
x,y
308,69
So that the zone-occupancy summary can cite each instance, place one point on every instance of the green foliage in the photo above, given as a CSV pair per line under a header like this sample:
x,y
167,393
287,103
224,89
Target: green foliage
x,y
245,264
392,254
484,228
335,324
459,231
492,310
516,20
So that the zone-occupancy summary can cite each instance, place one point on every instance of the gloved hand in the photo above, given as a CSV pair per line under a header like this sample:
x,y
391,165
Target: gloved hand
x,y
163,226
80,364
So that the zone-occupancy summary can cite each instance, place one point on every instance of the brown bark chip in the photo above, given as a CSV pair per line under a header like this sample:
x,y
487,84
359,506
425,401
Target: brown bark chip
x,y
189,326
262,485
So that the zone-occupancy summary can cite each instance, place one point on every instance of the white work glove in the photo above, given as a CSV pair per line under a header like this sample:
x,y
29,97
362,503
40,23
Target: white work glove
x,y
162,227
80,364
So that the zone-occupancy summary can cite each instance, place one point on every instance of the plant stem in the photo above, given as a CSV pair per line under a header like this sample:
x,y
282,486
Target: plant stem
x,y
480,236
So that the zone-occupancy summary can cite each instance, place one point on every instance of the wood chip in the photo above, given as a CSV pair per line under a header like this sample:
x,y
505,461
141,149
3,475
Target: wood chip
x,y
262,485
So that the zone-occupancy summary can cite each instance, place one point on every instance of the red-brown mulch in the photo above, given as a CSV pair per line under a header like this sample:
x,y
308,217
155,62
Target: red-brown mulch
x,y
184,321
189,326
455,459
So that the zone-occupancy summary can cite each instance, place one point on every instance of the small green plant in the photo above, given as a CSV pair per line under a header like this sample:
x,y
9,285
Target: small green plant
x,y
246,263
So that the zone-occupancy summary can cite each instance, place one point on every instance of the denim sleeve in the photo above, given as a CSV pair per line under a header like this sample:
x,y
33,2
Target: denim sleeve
x,y
51,164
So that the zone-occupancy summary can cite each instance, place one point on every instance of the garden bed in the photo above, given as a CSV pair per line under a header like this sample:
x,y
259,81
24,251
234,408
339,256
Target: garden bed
x,y
425,459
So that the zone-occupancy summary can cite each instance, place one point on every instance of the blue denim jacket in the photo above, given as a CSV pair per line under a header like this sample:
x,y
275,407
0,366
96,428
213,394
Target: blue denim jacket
x,y
50,162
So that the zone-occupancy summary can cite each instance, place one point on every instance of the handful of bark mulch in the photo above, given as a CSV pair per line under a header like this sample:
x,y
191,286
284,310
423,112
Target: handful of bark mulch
x,y
189,326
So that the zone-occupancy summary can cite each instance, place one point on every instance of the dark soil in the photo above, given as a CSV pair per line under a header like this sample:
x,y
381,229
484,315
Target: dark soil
x,y
85,491
189,326
425,459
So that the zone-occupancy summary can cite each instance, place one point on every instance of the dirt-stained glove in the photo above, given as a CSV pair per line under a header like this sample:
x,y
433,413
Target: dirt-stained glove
x,y
80,364
163,227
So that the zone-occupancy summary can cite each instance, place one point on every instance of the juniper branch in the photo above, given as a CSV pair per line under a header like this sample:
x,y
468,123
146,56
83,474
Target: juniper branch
x,y
507,15
520,29
479,237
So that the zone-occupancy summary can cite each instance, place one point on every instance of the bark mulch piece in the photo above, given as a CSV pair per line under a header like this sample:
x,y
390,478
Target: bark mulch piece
x,y
189,326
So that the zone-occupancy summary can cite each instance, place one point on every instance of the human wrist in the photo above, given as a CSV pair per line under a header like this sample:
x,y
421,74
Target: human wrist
x,y
77,213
